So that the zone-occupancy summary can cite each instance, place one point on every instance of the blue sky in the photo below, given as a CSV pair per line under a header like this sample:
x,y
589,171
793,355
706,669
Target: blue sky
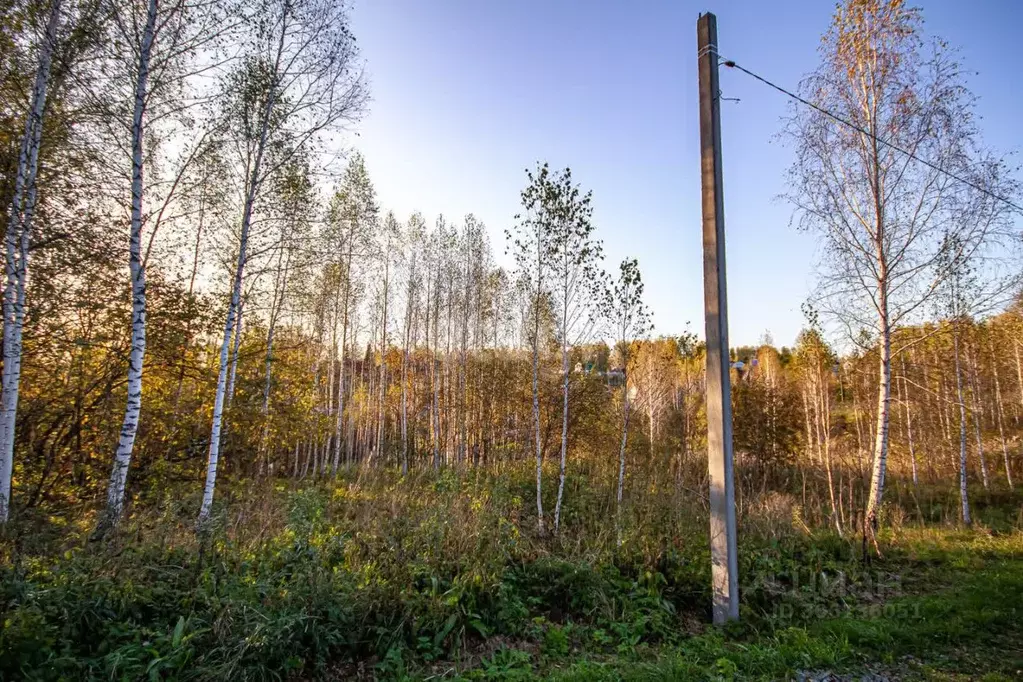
x,y
467,94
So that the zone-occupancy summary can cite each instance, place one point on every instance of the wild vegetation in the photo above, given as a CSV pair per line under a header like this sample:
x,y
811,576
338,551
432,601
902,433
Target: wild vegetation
x,y
300,437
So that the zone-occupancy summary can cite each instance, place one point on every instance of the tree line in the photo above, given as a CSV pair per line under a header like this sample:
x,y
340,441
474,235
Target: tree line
x,y
274,321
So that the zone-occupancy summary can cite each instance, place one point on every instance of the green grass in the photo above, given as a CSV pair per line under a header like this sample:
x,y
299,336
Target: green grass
x,y
442,578
972,627
959,616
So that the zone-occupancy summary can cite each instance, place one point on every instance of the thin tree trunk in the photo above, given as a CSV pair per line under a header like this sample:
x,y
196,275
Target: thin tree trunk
x,y
129,425
1000,413
254,182
1019,375
404,386
449,434
536,406
265,410
332,353
810,443
564,431
462,379
621,456
367,406
978,415
435,380
339,417
823,411
280,288
963,495
381,414
904,398
309,447
19,232
941,400
859,430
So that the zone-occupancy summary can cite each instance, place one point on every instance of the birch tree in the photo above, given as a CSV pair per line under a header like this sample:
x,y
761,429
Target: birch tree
x,y
351,220
625,312
414,236
295,191
129,427
814,361
1000,411
386,244
575,277
532,244
153,43
299,81
17,240
956,288
876,179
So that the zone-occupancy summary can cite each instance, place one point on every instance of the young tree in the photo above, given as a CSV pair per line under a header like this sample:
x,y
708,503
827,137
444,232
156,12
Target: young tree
x,y
814,361
957,286
977,271
532,248
473,247
625,312
298,82
351,221
295,194
414,241
880,212
439,239
17,240
387,241
1000,412
575,258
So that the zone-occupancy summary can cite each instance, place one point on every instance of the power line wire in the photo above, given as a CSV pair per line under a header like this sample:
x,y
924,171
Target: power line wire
x,y
731,64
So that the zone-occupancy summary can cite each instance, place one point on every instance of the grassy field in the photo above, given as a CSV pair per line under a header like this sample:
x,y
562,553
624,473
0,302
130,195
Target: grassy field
x,y
443,577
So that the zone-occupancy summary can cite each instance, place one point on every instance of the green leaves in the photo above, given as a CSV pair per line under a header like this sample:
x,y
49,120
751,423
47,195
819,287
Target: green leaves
x,y
179,630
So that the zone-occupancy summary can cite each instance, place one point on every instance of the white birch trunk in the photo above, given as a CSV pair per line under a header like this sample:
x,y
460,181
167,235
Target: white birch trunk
x,y
129,426
339,417
462,383
280,288
1019,374
536,409
621,455
564,434
265,410
236,292
404,407
811,444
382,393
963,495
1000,413
978,415
880,455
436,378
19,231
406,342
909,421
823,426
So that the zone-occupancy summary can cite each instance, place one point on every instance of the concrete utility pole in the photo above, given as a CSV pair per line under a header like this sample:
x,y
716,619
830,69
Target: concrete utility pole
x,y
725,571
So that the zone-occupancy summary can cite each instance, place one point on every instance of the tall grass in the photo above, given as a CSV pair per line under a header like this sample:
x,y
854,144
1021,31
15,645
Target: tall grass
x,y
373,571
